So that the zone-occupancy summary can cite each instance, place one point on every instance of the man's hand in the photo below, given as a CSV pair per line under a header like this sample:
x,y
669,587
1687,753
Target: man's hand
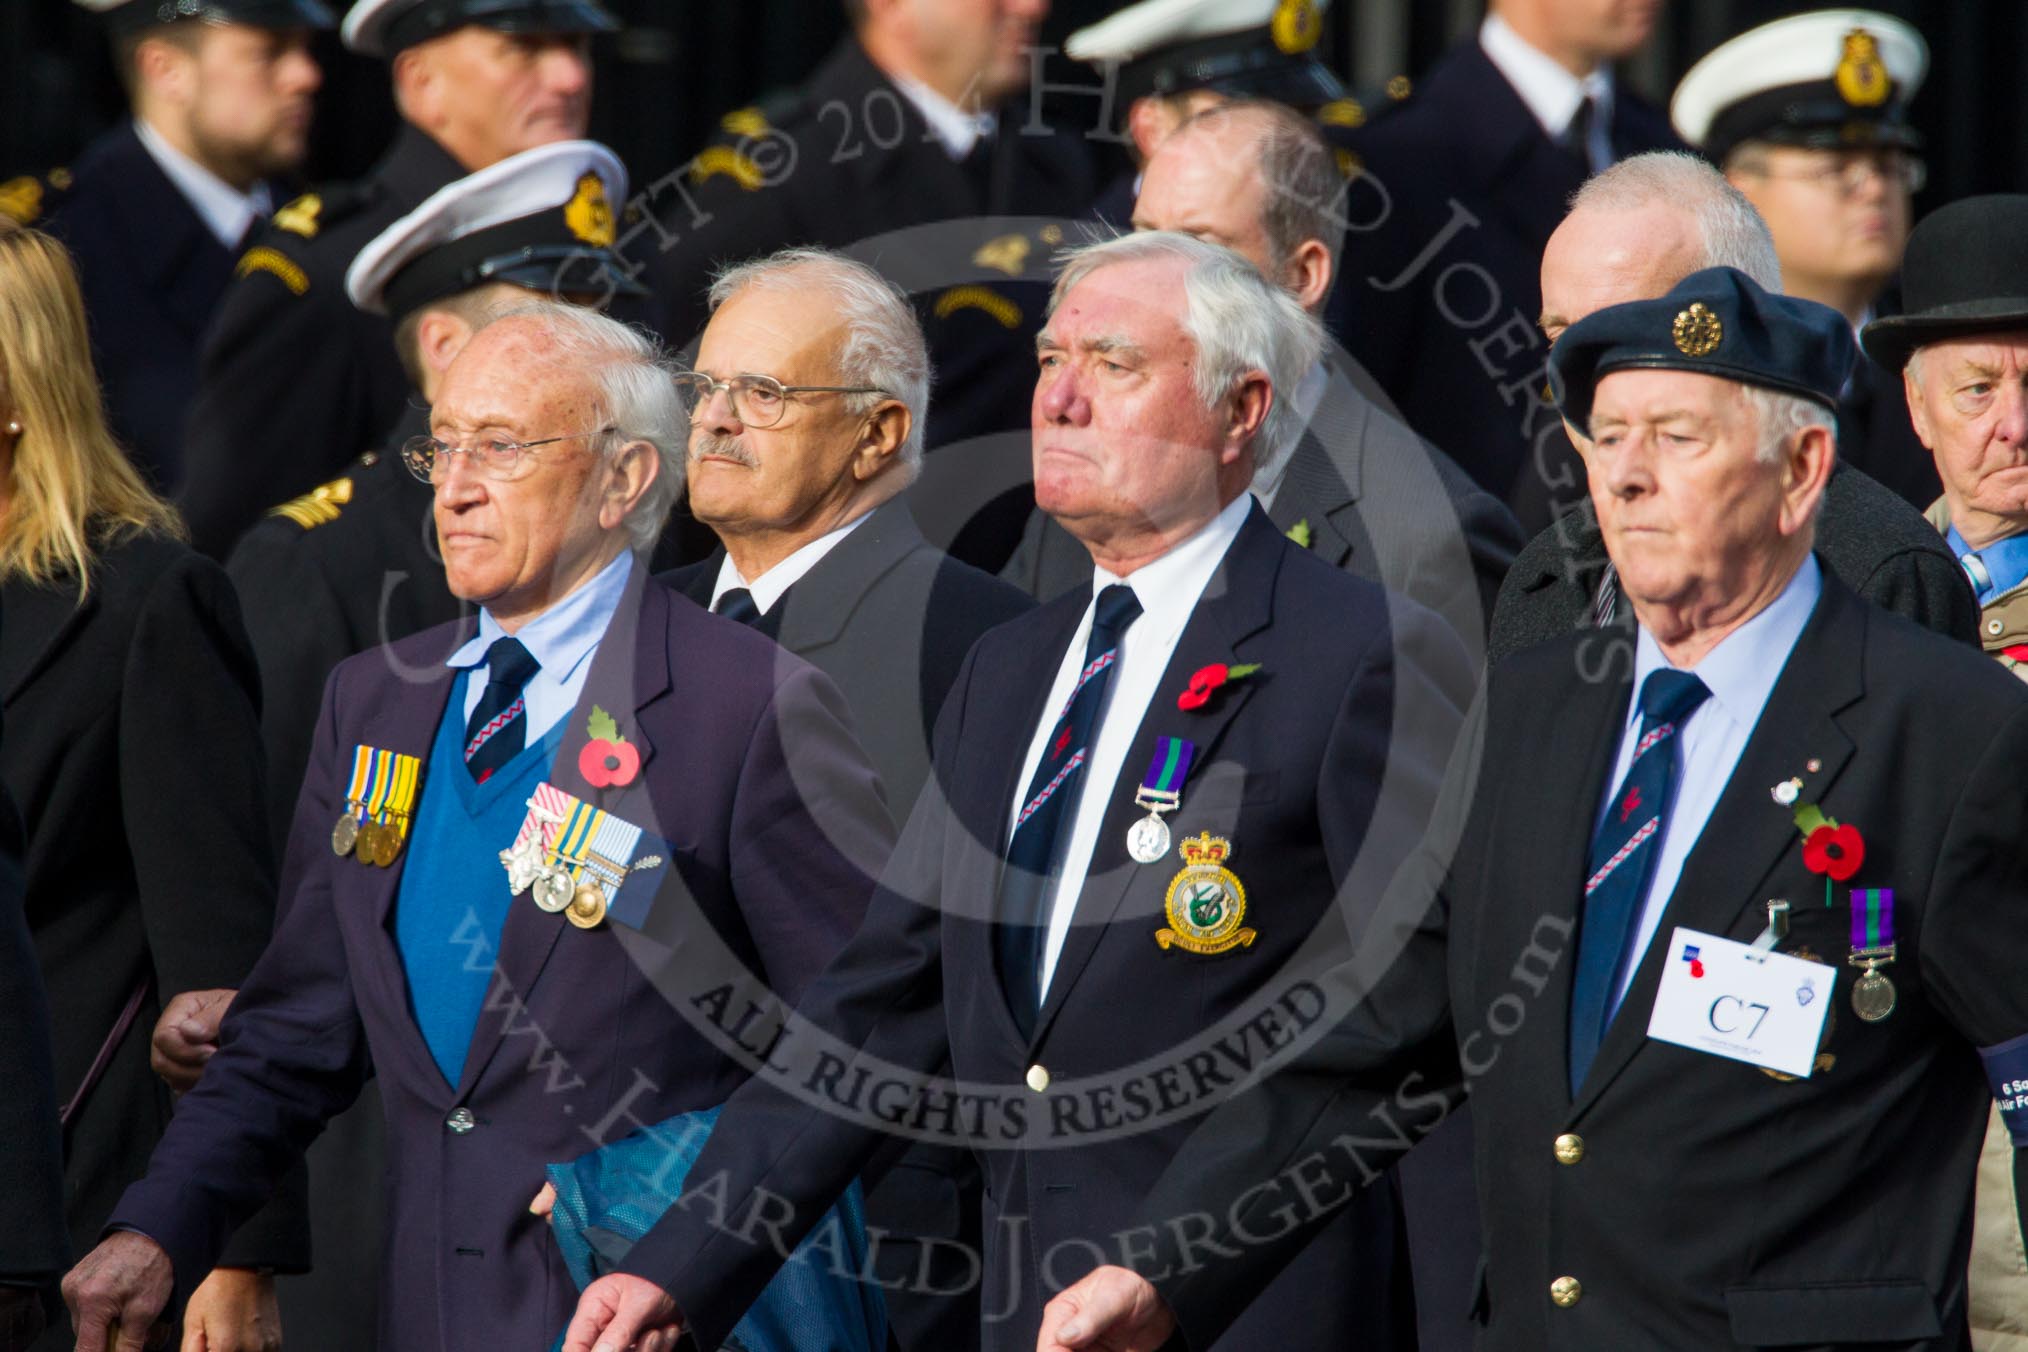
x,y
119,1290
545,1201
620,1313
234,1310
1111,1309
186,1035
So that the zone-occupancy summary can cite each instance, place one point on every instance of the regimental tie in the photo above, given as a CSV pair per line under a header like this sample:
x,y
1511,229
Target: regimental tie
x,y
498,728
738,604
1622,861
1042,827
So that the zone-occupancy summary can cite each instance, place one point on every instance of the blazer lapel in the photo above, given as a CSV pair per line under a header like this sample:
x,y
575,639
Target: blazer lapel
x,y
1237,604
629,672
816,607
1747,834
27,609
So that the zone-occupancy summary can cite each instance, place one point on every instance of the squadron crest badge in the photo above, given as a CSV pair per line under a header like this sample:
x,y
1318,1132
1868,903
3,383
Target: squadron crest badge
x,y
1206,903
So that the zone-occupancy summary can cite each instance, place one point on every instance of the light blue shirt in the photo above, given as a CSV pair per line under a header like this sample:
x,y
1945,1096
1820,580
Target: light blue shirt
x,y
562,639
2004,563
1740,673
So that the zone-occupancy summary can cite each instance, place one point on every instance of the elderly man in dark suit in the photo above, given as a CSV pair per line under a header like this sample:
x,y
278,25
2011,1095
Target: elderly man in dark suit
x,y
1464,178
1347,481
155,211
1796,808
819,551
1214,686
680,810
1632,233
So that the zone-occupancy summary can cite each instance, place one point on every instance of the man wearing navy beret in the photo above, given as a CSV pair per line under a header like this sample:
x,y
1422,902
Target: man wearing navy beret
x,y
1733,945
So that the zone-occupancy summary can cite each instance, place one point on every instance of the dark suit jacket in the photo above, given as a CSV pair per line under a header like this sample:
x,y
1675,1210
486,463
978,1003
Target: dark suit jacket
x,y
1872,541
1288,770
133,750
1379,502
848,163
774,825
152,274
1875,434
1710,1205
294,381
1442,284
883,601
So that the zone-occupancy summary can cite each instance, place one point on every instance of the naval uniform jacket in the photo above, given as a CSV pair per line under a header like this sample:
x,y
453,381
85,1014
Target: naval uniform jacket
x,y
774,828
1464,169
1073,1122
133,751
1696,1202
294,380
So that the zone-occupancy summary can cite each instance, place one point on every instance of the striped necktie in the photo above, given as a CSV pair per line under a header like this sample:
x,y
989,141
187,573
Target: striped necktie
x,y
498,728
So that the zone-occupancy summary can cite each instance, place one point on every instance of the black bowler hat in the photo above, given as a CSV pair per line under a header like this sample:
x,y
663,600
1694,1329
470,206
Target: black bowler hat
x,y
388,27
1717,322
131,16
1965,271
1262,49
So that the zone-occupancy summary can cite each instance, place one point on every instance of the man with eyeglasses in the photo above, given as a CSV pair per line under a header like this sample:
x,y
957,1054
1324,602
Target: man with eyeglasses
x,y
1808,117
530,853
475,81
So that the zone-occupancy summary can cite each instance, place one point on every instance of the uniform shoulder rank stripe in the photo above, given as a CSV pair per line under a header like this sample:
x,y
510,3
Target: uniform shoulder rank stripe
x,y
261,258
320,506
747,121
718,160
300,216
979,298
1007,253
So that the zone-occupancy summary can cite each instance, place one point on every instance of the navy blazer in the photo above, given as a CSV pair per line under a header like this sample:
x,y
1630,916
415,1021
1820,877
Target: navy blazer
x,y
775,827
152,274
1290,762
1442,285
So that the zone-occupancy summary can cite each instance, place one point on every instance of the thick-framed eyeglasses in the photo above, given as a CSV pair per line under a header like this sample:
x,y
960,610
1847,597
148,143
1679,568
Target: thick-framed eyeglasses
x,y
757,401
1847,172
430,459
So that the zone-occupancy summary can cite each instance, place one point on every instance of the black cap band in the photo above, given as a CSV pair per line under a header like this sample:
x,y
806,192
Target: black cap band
x,y
536,252
1246,63
1810,114
434,18
138,15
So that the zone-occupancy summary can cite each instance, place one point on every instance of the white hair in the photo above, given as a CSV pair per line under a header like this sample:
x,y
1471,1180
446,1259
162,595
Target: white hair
x,y
1733,232
632,392
1237,319
882,345
1779,415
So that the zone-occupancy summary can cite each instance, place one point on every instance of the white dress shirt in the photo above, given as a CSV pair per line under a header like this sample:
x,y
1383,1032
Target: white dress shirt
x,y
955,128
1168,590
561,639
1740,673
769,586
1303,400
1551,92
226,212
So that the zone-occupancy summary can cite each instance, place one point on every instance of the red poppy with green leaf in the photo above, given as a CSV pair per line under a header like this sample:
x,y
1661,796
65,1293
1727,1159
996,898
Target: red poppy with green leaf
x,y
608,760
1207,681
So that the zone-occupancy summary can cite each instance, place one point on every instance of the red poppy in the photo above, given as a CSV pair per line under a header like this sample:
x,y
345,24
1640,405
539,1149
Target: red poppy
x,y
1205,680
1834,850
605,764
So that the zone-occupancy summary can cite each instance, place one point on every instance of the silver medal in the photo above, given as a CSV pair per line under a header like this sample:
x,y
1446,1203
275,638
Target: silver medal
x,y
1148,839
553,890
1873,996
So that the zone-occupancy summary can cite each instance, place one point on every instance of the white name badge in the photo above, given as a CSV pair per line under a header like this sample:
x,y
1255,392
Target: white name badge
x,y
1743,1003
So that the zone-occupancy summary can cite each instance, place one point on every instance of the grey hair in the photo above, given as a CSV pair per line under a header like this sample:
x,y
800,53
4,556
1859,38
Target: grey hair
x,y
1300,179
630,374
883,344
1779,415
1733,232
1237,319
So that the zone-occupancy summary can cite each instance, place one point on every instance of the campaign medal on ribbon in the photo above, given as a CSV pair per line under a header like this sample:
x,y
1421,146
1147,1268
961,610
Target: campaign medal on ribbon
x,y
1872,948
1206,902
525,859
573,857
378,802
1161,790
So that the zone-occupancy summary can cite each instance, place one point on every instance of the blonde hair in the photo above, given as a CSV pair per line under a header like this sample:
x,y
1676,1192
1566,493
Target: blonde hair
x,y
71,488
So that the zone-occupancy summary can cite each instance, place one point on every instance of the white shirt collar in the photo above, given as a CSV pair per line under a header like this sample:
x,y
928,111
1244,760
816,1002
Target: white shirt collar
x,y
1303,401
957,129
1169,587
1551,92
1742,670
226,211
769,586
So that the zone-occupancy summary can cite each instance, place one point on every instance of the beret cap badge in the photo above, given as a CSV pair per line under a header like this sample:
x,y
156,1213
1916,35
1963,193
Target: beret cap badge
x,y
1697,331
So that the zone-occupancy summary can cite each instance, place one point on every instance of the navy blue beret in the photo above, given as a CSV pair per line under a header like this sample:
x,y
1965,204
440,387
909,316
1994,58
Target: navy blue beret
x,y
1717,322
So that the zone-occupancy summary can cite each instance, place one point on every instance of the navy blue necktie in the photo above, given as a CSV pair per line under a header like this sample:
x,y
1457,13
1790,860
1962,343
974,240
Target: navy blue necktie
x,y
738,604
1622,861
1042,828
498,728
